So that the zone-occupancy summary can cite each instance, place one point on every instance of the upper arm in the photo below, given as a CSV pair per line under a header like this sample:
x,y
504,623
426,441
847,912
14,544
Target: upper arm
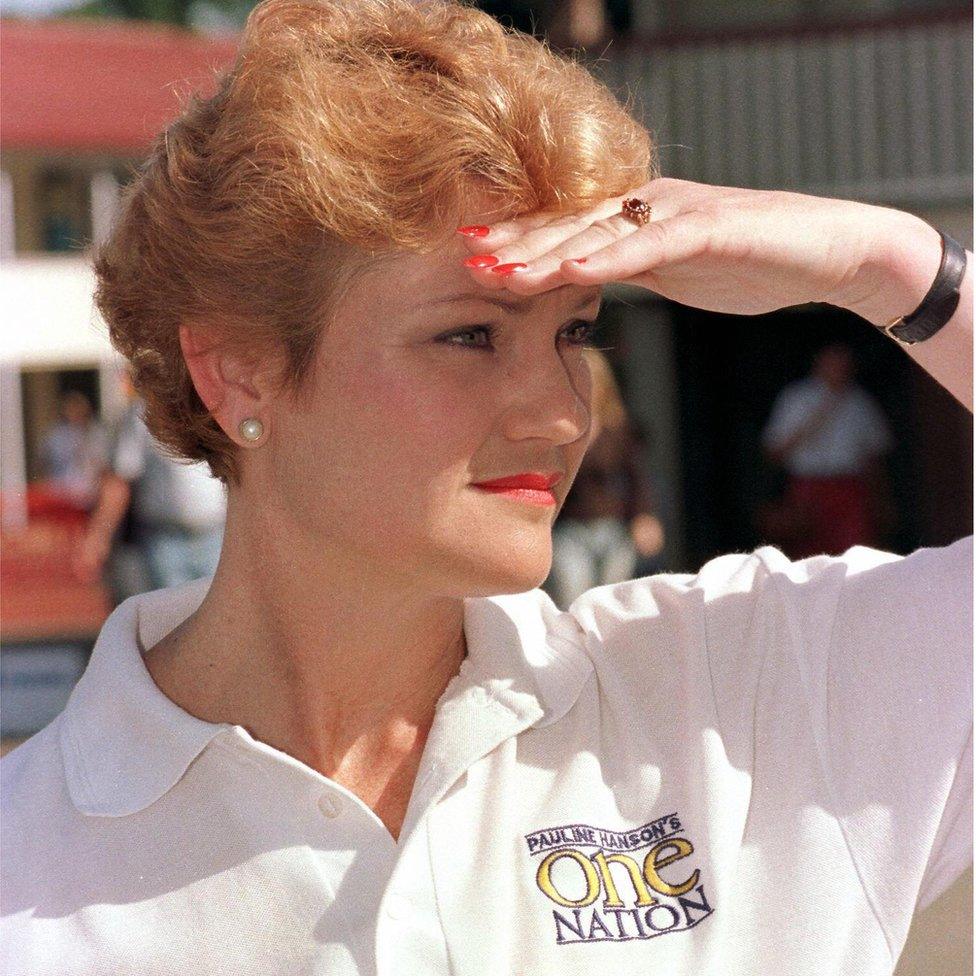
x,y
784,419
898,719
868,657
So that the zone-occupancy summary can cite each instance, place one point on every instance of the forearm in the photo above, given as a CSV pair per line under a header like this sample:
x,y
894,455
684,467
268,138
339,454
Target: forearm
x,y
113,501
905,269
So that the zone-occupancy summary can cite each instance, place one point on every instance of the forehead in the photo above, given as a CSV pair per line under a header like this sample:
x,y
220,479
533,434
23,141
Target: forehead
x,y
406,281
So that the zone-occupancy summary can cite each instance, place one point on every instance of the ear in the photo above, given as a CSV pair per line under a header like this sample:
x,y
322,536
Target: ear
x,y
231,386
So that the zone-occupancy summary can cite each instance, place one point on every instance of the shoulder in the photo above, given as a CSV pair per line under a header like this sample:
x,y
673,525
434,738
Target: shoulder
x,y
605,609
736,601
798,391
659,630
818,631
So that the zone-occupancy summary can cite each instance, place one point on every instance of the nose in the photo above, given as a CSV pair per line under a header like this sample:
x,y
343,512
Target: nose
x,y
548,396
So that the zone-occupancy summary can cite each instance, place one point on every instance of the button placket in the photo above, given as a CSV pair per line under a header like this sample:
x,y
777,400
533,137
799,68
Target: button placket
x,y
428,774
470,727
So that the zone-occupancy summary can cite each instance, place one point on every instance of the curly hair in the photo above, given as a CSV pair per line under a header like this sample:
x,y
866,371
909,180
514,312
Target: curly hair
x,y
344,129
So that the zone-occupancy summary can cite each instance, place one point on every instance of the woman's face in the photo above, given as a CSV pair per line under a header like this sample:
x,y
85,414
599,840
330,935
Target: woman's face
x,y
414,399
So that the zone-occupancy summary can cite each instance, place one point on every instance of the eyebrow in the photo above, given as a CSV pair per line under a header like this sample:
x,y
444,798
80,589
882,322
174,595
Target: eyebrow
x,y
508,305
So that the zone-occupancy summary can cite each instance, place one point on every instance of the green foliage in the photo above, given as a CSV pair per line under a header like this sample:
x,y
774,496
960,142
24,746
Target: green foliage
x,y
180,13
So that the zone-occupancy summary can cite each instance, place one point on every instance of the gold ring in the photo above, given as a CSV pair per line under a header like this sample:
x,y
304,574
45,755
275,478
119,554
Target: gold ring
x,y
636,210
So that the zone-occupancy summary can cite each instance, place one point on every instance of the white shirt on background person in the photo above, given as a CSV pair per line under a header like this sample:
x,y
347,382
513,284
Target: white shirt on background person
x,y
853,434
166,492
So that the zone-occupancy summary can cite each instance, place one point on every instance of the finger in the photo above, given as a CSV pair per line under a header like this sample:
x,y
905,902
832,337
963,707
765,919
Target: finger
x,y
480,237
666,196
653,247
527,251
531,271
536,233
548,237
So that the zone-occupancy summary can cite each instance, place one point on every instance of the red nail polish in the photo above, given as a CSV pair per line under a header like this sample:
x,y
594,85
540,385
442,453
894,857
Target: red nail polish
x,y
578,260
507,269
475,230
480,261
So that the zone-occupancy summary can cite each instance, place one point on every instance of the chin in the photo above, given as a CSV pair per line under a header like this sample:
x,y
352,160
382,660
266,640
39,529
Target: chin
x,y
517,576
487,557
496,573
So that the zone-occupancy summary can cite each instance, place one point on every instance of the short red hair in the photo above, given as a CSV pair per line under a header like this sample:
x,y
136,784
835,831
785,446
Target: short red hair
x,y
345,128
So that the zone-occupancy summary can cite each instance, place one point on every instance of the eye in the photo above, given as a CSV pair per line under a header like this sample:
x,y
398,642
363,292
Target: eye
x,y
586,332
487,330
579,333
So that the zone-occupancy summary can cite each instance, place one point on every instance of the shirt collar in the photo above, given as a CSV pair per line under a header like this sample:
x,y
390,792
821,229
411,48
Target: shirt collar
x,y
125,744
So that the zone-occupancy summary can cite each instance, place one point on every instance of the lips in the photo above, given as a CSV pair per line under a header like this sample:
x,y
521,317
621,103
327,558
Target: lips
x,y
534,480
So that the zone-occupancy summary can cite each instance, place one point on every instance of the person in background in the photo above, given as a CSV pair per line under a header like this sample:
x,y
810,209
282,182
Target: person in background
x,y
74,452
830,435
565,24
607,523
172,513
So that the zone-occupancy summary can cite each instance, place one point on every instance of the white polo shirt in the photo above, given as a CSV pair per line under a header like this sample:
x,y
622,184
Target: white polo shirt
x,y
759,769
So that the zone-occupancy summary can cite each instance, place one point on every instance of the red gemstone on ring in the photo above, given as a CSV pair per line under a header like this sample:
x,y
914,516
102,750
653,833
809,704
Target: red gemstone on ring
x,y
637,210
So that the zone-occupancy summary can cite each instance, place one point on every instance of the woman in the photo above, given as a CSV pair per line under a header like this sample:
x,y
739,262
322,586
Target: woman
x,y
369,743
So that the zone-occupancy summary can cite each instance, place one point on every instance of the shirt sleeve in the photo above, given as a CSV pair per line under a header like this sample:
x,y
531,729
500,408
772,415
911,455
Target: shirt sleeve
x,y
128,456
869,656
898,722
100,445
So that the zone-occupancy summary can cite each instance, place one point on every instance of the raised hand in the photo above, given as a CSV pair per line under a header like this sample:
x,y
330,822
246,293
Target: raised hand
x,y
718,248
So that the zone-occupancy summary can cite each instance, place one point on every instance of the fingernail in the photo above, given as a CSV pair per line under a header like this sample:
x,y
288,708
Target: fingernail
x,y
506,269
480,261
475,230
578,260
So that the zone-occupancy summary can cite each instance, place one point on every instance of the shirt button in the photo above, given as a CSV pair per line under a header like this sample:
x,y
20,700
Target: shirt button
x,y
397,907
330,806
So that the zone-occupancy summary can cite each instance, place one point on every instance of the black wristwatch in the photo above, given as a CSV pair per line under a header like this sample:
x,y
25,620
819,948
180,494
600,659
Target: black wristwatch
x,y
939,303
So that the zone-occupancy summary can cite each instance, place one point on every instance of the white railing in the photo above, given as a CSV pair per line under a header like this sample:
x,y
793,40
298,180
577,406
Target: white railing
x,y
882,113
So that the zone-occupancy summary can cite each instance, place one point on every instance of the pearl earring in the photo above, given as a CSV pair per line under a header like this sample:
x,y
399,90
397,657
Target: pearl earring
x,y
251,429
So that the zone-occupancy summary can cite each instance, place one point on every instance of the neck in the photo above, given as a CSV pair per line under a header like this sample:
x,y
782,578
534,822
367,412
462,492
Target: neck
x,y
315,654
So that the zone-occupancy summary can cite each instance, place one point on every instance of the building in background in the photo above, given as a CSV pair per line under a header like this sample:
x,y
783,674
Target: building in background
x,y
869,99
864,99
81,103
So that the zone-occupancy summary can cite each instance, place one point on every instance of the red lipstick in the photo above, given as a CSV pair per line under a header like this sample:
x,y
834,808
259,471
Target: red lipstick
x,y
533,487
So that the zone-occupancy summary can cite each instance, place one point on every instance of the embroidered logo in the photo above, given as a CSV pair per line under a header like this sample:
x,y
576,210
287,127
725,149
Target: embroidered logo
x,y
652,890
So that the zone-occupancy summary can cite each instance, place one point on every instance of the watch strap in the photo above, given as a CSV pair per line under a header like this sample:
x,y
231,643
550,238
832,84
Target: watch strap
x,y
939,303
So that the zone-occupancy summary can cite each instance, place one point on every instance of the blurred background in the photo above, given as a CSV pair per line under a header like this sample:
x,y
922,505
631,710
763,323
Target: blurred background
x,y
805,428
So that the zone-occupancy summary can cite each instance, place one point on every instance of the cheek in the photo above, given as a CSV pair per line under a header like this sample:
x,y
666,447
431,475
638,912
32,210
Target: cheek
x,y
405,427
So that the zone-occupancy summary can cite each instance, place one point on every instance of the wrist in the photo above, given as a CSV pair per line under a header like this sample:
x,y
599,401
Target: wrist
x,y
897,272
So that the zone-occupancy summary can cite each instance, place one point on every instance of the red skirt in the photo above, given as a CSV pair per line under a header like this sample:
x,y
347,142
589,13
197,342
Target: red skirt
x,y
832,514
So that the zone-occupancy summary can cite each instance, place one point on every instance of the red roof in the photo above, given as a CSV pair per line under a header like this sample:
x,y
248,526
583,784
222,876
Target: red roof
x,y
99,85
